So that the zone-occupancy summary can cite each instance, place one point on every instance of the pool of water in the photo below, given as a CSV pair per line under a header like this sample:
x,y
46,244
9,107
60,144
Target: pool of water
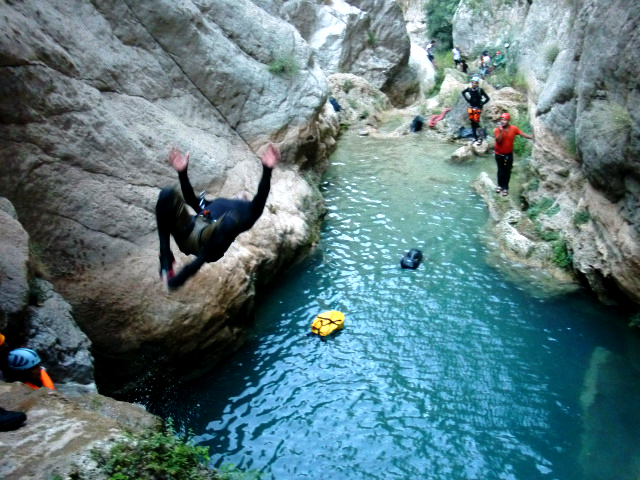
x,y
449,371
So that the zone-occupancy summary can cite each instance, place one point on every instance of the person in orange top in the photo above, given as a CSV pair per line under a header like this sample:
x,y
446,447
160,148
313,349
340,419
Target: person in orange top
x,y
505,134
25,366
4,353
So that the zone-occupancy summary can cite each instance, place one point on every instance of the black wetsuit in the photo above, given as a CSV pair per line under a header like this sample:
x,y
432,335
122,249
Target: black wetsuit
x,y
231,217
476,98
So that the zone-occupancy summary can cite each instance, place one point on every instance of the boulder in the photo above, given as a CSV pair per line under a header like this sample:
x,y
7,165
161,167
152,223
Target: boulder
x,y
14,264
61,431
92,97
367,38
33,314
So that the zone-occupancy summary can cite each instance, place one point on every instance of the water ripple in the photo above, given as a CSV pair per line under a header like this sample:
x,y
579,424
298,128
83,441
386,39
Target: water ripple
x,y
444,372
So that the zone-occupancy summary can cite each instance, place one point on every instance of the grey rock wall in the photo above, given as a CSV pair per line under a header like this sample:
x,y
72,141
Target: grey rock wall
x,y
32,314
581,65
92,97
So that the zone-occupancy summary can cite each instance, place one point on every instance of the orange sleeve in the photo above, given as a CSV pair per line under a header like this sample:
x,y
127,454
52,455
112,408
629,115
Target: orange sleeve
x,y
46,380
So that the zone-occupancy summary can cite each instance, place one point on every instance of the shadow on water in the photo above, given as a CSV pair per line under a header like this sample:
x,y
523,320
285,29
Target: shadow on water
x,y
444,372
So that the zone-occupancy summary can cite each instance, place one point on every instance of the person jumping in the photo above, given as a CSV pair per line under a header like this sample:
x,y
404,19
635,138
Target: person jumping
x,y
211,232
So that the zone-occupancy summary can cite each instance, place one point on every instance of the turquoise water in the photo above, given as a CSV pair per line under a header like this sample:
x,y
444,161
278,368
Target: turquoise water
x,y
445,372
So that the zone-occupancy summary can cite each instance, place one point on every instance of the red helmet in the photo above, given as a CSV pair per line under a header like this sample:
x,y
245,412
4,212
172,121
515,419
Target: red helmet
x,y
506,116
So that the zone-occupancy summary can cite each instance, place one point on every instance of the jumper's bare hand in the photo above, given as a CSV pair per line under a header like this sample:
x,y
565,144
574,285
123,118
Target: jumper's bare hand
x,y
270,156
179,161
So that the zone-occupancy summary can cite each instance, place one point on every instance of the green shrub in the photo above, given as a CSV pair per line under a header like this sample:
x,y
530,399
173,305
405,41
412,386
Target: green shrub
x,y
162,454
155,454
551,53
522,146
540,207
620,117
561,255
438,15
371,38
581,217
347,85
550,212
442,59
572,144
285,65
612,119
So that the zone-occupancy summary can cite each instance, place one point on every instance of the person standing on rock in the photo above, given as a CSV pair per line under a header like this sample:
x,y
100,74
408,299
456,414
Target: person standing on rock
x,y
211,232
505,134
457,56
476,97
430,54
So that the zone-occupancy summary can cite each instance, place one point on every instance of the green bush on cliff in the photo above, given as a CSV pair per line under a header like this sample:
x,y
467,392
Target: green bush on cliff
x,y
284,65
581,217
561,255
521,146
540,207
162,454
438,15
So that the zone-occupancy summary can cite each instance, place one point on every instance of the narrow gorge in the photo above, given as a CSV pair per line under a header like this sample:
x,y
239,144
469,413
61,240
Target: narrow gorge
x,y
94,95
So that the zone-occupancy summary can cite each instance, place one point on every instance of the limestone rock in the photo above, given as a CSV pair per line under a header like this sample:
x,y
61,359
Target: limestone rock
x,y
38,317
53,333
61,431
581,69
360,100
14,264
92,97
367,38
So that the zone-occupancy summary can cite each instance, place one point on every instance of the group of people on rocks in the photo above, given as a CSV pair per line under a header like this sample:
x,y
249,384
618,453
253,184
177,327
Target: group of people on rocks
x,y
20,365
504,132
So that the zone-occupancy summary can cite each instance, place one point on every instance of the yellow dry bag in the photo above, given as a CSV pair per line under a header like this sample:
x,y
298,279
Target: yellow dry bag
x,y
327,323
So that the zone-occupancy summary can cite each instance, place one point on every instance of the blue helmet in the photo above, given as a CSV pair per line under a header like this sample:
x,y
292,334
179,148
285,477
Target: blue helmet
x,y
22,359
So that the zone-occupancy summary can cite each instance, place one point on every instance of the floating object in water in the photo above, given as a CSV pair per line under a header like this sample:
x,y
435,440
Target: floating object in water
x,y
327,322
412,259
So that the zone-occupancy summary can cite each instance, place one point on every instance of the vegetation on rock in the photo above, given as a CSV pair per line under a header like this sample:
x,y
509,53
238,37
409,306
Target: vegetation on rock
x,y
161,454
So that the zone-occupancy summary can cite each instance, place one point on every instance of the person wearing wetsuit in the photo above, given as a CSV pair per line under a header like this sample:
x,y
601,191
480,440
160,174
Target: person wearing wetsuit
x,y
211,232
476,97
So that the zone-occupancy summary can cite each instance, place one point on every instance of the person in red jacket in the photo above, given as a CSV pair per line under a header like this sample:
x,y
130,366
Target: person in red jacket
x,y
505,134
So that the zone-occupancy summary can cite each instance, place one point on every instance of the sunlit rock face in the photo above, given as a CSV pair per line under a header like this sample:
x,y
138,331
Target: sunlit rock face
x,y
92,98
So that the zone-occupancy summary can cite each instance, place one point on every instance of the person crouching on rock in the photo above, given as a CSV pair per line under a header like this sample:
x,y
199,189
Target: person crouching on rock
x,y
211,232
24,365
